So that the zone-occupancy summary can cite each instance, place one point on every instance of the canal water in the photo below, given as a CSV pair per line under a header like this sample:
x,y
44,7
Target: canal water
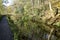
x,y
5,32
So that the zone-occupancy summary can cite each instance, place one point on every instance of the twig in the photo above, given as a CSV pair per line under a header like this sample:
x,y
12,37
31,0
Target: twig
x,y
50,35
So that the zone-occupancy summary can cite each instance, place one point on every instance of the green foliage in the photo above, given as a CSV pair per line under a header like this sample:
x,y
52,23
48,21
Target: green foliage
x,y
57,24
27,23
1,7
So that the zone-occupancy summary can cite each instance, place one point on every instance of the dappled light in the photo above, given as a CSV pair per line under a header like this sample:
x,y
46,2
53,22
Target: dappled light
x,y
32,19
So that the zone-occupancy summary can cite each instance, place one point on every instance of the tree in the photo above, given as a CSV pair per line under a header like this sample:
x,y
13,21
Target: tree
x,y
28,23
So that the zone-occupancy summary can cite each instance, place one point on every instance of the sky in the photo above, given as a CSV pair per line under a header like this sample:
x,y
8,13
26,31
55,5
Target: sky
x,y
7,2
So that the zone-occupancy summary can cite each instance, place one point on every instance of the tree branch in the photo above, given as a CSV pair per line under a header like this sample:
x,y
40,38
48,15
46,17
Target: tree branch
x,y
50,35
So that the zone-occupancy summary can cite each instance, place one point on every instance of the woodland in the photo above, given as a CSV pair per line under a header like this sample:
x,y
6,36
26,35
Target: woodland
x,y
33,19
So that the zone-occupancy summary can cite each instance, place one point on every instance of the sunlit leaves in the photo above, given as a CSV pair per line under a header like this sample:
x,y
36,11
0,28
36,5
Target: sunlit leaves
x,y
29,21
1,7
57,24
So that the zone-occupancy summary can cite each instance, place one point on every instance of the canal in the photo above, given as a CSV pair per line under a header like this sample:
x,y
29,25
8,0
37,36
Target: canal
x,y
5,32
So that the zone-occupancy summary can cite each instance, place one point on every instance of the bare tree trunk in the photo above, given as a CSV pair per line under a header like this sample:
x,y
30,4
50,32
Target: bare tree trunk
x,y
38,3
32,1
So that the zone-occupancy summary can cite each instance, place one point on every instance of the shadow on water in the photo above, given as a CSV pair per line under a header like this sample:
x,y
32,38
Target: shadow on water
x,y
5,32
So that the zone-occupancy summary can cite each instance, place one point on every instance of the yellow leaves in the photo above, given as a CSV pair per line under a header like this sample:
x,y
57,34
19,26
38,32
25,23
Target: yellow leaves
x,y
27,6
57,24
0,2
1,7
14,19
56,3
9,9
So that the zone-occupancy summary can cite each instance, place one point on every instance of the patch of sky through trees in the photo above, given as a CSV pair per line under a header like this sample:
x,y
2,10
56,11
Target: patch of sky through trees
x,y
8,2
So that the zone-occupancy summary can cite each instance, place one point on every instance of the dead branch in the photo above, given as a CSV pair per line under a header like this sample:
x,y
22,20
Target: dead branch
x,y
50,35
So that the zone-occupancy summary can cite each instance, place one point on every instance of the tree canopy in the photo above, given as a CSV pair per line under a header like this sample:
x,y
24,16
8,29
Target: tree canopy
x,y
34,19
